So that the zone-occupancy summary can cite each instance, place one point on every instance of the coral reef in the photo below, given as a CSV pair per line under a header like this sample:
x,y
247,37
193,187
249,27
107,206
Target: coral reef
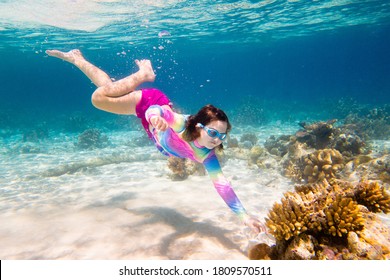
x,y
91,139
342,216
322,164
249,137
182,168
319,151
373,196
321,135
313,167
255,153
178,168
316,135
329,217
349,143
261,251
278,146
369,168
329,220
375,123
260,157
232,142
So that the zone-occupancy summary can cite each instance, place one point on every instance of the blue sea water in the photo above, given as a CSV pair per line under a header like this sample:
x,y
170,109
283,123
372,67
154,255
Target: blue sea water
x,y
268,64
283,55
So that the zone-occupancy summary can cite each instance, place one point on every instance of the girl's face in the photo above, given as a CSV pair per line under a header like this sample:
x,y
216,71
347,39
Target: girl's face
x,y
207,141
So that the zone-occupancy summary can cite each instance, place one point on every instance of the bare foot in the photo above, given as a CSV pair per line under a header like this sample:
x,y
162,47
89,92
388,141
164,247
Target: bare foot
x,y
70,56
146,69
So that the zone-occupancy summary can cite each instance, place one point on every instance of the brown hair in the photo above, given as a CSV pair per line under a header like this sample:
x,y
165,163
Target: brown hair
x,y
205,115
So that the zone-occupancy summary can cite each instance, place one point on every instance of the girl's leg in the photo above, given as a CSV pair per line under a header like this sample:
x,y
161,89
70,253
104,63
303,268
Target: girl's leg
x,y
118,97
95,74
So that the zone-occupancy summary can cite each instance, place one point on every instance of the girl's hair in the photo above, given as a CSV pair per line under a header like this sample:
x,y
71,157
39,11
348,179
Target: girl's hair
x,y
205,115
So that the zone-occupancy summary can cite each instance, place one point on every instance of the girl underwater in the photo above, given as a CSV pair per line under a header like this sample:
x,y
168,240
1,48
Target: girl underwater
x,y
195,137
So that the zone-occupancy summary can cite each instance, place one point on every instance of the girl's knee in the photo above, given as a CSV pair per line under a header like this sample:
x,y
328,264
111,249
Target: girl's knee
x,y
97,98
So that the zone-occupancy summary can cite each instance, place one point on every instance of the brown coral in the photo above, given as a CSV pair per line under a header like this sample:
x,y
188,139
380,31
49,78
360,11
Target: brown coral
x,y
182,168
178,168
322,164
377,168
260,252
373,196
329,215
317,135
316,208
293,172
343,216
289,218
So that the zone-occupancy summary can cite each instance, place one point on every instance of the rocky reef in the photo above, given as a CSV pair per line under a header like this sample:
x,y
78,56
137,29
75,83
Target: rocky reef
x,y
329,220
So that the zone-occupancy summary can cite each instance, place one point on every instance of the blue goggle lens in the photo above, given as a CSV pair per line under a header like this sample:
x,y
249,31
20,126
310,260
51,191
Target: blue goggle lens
x,y
214,133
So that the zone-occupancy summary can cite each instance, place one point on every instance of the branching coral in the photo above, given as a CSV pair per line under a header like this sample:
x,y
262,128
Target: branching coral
x,y
373,196
290,218
343,216
328,208
331,212
293,171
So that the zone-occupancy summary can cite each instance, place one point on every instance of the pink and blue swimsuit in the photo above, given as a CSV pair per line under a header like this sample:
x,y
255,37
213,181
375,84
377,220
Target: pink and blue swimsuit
x,y
170,144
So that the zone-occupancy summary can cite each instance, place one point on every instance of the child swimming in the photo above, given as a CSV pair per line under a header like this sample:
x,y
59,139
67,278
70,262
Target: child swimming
x,y
195,137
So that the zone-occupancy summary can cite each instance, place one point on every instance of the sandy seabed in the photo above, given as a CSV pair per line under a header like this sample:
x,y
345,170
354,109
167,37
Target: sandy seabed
x,y
62,203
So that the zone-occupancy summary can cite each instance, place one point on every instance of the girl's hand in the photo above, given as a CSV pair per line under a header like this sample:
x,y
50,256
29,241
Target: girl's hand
x,y
159,123
255,225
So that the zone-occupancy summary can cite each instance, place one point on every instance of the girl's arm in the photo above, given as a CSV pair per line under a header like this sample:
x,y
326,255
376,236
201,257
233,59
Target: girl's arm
x,y
227,193
158,114
223,186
